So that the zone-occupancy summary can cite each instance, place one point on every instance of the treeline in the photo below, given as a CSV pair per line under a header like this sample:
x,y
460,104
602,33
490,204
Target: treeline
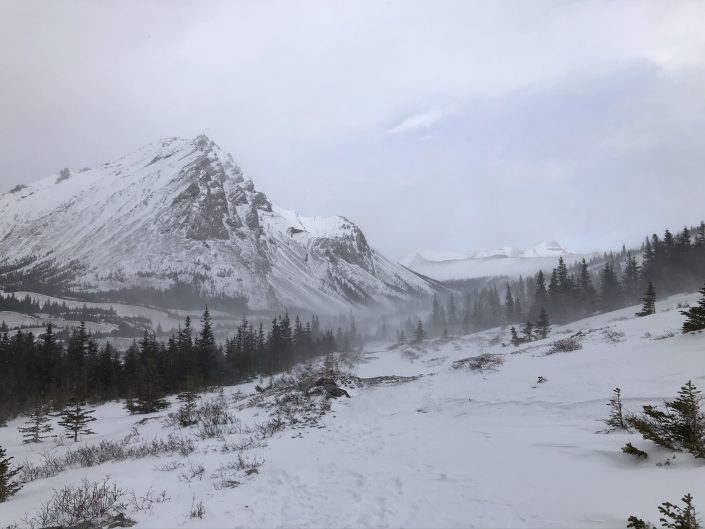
x,y
36,370
29,305
670,264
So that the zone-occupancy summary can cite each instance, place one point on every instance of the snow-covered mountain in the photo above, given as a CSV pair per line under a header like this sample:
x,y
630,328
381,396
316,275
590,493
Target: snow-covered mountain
x,y
505,261
182,210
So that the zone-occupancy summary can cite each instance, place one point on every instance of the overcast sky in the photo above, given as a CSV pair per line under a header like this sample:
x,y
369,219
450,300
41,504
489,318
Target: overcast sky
x,y
436,125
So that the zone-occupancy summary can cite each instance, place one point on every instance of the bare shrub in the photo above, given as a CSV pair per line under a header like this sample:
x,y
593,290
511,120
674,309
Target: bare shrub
x,y
484,362
198,510
169,467
565,345
248,443
212,417
193,472
613,335
91,455
147,501
91,502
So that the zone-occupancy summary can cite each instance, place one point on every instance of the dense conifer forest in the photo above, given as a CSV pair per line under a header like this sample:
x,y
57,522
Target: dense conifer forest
x,y
40,369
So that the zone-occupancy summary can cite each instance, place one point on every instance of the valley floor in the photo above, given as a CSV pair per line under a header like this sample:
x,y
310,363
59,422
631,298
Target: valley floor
x,y
453,448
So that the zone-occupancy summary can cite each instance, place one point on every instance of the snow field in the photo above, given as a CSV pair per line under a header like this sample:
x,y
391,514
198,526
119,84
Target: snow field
x,y
454,448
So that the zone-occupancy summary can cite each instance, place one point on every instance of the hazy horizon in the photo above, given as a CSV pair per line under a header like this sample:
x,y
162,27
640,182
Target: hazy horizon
x,y
450,127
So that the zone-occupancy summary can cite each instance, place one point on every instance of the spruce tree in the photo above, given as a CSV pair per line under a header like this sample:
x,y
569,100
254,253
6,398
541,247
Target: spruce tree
x,y
206,349
515,340
695,315
528,331
37,425
148,395
616,420
187,412
543,326
649,301
680,427
419,333
8,486
75,419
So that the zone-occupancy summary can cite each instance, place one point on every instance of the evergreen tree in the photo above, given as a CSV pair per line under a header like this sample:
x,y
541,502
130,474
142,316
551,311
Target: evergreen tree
x,y
695,315
631,278
206,348
515,340
148,395
37,425
419,333
543,326
616,419
680,427
541,294
586,290
509,313
8,486
610,290
677,517
649,300
75,419
528,331
187,412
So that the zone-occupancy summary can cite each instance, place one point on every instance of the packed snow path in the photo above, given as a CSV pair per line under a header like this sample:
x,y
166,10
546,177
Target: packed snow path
x,y
454,448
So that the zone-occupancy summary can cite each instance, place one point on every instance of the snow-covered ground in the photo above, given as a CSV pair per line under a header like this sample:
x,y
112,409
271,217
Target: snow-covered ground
x,y
453,448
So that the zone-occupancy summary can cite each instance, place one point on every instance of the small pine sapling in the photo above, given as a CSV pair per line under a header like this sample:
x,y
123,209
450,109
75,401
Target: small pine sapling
x,y
187,412
616,420
677,517
649,301
75,419
38,426
680,427
8,486
672,516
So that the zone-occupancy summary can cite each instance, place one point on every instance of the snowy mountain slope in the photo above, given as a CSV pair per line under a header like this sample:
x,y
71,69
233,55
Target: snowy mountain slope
x,y
181,209
454,448
506,261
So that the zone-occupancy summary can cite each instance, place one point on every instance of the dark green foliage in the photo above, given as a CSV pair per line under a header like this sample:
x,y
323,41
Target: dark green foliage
x,y
8,486
75,419
50,368
632,450
637,523
677,517
38,426
649,301
672,516
186,416
543,326
515,340
695,315
680,426
148,394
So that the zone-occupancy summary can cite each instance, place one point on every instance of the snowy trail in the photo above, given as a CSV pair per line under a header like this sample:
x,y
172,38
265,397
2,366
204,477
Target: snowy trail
x,y
453,448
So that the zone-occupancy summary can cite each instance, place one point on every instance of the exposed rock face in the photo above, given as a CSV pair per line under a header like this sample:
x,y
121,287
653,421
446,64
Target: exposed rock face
x,y
182,210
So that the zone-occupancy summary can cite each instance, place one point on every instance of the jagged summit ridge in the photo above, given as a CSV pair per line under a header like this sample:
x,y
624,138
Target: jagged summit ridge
x,y
182,210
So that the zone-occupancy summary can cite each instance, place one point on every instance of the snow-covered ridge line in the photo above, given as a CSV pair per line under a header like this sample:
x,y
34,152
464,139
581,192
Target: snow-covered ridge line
x,y
181,209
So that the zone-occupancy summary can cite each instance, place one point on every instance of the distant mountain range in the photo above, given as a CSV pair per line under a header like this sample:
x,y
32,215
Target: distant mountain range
x,y
180,212
506,261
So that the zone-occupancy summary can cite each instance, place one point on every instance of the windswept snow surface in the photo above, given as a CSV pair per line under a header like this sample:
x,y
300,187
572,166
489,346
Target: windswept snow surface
x,y
454,448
